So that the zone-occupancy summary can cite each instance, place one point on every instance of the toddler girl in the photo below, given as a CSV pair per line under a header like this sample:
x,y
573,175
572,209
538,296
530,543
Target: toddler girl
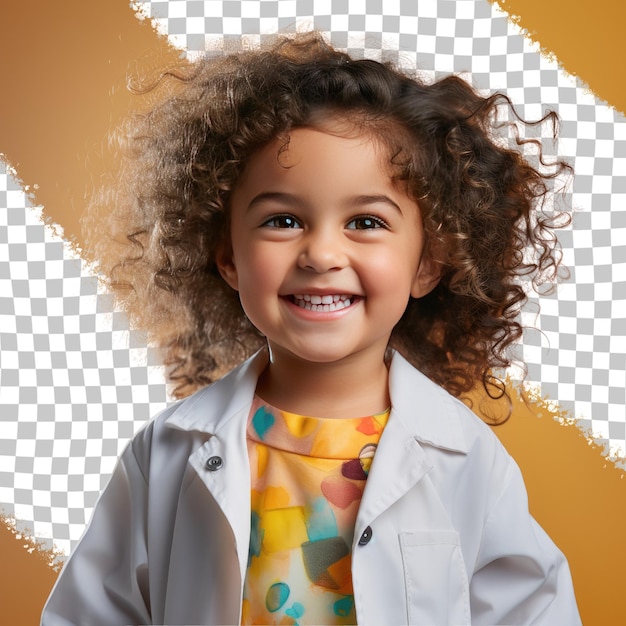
x,y
360,236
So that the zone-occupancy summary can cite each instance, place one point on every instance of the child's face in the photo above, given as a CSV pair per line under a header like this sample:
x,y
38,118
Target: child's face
x,y
325,222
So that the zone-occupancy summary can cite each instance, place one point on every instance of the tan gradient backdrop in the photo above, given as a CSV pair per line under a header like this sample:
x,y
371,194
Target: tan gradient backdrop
x,y
64,73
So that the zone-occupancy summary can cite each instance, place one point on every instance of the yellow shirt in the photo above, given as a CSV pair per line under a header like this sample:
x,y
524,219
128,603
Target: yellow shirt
x,y
307,477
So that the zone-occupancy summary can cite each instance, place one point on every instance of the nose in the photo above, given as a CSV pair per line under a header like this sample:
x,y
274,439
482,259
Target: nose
x,y
322,251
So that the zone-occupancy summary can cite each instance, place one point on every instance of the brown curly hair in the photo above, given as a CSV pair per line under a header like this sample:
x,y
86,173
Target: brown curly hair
x,y
481,201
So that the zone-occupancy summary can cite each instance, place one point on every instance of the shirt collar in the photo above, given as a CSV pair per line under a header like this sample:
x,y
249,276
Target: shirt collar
x,y
429,413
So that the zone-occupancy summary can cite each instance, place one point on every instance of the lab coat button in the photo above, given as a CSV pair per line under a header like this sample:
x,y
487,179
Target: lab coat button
x,y
365,536
214,463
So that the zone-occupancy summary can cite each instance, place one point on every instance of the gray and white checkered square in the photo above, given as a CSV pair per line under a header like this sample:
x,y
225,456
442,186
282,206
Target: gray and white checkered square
x,y
75,382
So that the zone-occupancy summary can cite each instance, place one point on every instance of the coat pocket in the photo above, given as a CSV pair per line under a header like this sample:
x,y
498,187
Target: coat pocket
x,y
435,577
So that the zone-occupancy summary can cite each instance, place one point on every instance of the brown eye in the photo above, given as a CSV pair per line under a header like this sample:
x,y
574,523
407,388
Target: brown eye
x,y
282,221
365,222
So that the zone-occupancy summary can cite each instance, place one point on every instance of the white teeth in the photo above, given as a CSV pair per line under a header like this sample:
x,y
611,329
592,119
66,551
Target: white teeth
x,y
324,303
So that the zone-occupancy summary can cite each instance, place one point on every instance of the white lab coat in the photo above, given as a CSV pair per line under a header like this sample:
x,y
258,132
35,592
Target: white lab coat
x,y
452,541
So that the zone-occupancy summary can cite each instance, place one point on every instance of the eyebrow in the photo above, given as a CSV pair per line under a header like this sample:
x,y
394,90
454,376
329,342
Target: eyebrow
x,y
365,200
276,196
291,200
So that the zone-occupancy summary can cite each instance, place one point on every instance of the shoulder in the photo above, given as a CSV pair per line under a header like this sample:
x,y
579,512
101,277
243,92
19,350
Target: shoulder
x,y
186,424
473,475
434,416
463,453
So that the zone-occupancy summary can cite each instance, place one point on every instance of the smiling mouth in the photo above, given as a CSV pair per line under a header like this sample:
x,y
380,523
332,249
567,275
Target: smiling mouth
x,y
325,303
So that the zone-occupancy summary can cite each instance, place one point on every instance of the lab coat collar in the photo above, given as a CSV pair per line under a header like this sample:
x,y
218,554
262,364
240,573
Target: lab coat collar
x,y
429,414
209,409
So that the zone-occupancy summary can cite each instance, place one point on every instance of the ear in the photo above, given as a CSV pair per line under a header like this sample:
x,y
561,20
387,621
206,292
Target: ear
x,y
427,275
226,265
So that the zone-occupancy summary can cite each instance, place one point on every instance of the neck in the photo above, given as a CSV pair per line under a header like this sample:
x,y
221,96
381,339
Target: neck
x,y
352,387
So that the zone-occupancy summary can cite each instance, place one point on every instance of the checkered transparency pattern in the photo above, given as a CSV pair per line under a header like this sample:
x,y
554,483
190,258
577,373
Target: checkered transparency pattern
x,y
76,383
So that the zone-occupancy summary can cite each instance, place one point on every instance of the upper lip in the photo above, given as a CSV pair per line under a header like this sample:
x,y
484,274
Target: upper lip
x,y
311,291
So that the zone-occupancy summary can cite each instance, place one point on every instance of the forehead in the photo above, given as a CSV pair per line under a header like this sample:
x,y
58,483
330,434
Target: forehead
x,y
332,153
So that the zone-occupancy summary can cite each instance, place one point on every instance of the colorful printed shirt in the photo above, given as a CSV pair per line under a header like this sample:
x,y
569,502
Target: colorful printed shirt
x,y
307,478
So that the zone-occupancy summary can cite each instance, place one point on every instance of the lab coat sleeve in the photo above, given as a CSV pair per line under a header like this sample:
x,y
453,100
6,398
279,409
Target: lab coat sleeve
x,y
521,577
104,581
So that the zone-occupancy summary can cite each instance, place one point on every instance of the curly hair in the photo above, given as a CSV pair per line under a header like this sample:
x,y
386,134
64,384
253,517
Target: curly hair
x,y
482,204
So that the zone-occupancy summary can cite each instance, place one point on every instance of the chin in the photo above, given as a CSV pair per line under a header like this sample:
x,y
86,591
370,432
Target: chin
x,y
315,355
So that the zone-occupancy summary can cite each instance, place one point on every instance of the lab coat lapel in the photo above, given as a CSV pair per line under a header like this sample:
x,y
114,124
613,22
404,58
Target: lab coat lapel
x,y
229,484
399,464
208,552
421,416
221,463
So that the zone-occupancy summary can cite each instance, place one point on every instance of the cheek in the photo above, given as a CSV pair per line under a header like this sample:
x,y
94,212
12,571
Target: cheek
x,y
257,271
389,268
390,278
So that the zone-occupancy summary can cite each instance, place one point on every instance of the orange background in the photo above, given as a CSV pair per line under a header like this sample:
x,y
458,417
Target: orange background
x,y
64,69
